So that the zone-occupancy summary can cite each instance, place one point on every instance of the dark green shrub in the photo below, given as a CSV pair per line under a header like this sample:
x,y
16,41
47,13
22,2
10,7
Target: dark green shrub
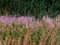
x,y
36,8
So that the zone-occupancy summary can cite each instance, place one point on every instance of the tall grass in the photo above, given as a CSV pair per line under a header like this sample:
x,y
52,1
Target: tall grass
x,y
25,30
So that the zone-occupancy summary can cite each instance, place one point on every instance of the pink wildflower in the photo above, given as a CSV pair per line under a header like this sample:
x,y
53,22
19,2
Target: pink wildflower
x,y
30,25
48,21
58,24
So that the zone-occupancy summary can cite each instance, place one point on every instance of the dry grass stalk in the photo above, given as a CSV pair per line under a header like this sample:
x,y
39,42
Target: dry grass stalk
x,y
44,38
31,42
0,40
53,37
25,42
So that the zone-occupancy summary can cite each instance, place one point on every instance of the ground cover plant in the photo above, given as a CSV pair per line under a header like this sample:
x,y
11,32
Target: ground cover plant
x,y
26,30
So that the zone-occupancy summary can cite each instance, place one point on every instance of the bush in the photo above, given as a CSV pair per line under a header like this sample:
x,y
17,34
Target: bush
x,y
30,7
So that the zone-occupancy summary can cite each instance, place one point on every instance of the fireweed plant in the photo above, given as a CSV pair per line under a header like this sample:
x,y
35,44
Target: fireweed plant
x,y
26,30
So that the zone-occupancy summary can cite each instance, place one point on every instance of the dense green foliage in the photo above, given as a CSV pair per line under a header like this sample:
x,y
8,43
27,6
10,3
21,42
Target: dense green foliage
x,y
36,8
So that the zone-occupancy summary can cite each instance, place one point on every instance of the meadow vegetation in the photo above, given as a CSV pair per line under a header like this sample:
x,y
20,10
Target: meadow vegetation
x,y
26,30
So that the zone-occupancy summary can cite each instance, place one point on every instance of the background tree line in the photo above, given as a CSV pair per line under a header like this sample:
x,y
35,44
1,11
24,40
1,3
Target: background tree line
x,y
37,8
